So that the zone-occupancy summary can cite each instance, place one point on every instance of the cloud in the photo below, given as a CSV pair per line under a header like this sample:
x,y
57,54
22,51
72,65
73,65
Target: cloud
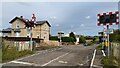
x,y
60,0
88,17
82,25
65,16
57,25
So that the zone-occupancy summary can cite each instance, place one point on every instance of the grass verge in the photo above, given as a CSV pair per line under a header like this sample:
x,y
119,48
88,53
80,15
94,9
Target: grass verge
x,y
12,54
109,62
99,47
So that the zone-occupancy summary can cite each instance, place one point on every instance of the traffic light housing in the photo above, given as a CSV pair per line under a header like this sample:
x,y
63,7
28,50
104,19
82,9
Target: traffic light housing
x,y
111,18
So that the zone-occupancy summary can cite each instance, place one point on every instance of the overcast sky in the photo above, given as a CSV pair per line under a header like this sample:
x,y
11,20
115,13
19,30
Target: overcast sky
x,y
79,17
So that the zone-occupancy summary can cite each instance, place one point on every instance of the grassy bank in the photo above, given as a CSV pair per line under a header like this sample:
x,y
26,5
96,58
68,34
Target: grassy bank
x,y
12,54
109,62
99,47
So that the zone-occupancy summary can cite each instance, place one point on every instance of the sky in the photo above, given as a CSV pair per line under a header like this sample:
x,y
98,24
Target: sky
x,y
79,17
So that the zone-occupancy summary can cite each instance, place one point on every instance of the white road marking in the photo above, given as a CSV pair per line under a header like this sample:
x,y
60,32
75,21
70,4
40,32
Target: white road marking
x,y
55,59
40,52
103,53
64,62
93,58
19,62
80,64
97,66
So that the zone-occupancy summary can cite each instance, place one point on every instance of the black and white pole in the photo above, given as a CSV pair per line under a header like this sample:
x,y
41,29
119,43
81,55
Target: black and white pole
x,y
59,37
31,47
108,42
30,26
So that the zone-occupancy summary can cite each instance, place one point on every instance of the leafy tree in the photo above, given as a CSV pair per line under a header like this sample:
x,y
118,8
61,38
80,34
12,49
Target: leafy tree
x,y
73,35
82,39
115,37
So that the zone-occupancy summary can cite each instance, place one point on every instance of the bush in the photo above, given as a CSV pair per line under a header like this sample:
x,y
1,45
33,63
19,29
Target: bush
x,y
55,38
82,40
109,62
115,37
67,39
99,47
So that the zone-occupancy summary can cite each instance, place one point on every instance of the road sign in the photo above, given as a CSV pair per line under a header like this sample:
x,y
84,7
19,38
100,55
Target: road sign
x,y
108,31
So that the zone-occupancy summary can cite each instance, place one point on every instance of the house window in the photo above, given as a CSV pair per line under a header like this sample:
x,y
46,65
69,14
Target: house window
x,y
45,35
17,25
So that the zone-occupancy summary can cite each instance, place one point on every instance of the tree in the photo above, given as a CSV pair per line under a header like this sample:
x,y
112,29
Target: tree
x,y
72,35
115,37
82,40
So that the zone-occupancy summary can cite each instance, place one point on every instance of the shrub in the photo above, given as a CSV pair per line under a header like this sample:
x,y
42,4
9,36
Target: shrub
x,y
109,62
55,38
67,39
82,40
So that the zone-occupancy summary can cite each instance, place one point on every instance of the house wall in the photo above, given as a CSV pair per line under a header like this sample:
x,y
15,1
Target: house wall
x,y
42,31
45,31
23,32
7,34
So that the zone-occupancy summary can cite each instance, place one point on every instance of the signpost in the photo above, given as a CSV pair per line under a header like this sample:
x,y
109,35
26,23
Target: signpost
x,y
59,37
108,18
30,24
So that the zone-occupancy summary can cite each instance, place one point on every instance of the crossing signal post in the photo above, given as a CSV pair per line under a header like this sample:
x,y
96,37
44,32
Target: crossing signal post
x,y
108,18
29,24
59,38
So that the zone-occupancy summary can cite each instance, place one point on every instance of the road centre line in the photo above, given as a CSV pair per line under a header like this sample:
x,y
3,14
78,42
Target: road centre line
x,y
55,59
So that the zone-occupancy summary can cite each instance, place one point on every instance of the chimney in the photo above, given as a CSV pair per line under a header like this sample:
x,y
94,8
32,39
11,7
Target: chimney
x,y
21,16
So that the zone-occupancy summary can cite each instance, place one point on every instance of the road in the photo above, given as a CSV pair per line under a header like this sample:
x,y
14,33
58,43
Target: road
x,y
70,55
